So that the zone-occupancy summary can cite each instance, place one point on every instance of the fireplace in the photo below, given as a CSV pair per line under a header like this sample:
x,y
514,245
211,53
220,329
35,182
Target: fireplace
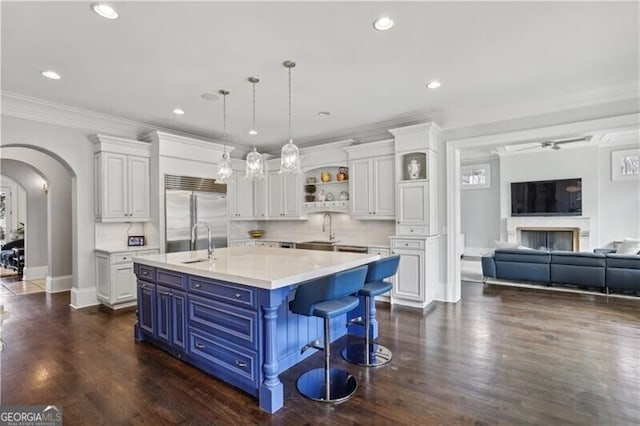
x,y
579,227
550,239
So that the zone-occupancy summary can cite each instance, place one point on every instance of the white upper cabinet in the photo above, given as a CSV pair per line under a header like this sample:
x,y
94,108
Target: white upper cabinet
x,y
240,194
372,188
260,198
372,180
121,180
284,195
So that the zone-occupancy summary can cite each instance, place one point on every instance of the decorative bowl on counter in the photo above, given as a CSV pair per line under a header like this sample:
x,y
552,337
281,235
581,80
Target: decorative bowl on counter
x,y
256,233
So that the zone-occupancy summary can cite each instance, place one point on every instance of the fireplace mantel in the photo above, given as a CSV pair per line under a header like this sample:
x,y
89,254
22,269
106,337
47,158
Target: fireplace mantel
x,y
581,223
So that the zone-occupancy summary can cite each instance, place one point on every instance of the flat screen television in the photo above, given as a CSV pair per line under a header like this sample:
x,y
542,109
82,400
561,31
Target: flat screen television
x,y
547,198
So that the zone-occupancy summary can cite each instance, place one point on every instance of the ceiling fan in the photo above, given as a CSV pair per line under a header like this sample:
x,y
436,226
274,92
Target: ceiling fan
x,y
554,144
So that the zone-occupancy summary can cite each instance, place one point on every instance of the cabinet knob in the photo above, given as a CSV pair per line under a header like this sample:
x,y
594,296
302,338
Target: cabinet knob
x,y
398,222
238,295
143,285
241,364
411,230
199,345
145,272
197,285
406,244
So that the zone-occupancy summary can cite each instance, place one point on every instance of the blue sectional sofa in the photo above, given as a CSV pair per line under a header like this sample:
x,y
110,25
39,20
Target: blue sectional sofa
x,y
601,270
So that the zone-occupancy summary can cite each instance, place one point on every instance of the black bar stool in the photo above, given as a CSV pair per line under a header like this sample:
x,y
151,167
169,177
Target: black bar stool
x,y
369,353
326,298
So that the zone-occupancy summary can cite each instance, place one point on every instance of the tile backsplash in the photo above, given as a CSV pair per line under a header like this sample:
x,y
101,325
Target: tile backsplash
x,y
344,229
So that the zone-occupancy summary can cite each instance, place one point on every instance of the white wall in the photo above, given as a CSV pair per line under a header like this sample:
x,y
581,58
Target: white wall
x,y
73,148
619,206
480,213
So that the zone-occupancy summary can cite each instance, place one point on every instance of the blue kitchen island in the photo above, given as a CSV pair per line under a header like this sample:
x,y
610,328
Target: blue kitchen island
x,y
229,316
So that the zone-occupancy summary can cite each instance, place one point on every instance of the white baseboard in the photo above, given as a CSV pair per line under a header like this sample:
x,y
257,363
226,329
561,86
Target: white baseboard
x,y
83,297
59,284
34,272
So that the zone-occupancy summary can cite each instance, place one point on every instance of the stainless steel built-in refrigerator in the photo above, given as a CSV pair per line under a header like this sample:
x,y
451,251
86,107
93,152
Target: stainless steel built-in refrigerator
x,y
189,200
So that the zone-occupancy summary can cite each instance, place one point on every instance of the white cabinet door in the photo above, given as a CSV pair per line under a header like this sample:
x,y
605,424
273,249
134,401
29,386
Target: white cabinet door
x,y
124,283
292,188
260,198
275,188
115,186
138,187
383,178
412,203
240,196
410,280
360,188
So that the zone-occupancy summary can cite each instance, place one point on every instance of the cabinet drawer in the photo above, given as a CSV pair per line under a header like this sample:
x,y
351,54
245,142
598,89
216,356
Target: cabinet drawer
x,y
408,244
384,252
232,363
121,258
172,279
147,273
232,323
146,252
224,291
413,230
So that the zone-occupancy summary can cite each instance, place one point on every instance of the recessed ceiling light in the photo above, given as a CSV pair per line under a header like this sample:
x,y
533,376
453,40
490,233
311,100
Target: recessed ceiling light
x,y
433,84
178,111
209,97
51,75
383,23
104,10
324,113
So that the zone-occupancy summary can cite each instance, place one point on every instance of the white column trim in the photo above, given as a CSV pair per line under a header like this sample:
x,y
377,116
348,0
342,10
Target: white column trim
x,y
59,284
83,297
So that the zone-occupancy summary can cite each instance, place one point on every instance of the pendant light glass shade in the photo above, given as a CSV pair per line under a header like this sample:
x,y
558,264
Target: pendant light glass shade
x,y
224,167
255,165
290,155
254,161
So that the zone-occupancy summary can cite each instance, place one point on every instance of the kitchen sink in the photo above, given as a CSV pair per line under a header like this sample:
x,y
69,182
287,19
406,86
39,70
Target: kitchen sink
x,y
187,262
317,245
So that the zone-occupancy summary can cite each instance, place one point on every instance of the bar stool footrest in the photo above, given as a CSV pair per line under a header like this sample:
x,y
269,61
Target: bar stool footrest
x,y
378,355
342,385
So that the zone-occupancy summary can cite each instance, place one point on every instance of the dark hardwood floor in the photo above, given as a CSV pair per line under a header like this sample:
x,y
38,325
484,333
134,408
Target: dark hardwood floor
x,y
501,355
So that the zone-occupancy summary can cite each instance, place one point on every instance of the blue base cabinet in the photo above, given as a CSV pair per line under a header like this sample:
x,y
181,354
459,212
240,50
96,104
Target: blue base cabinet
x,y
243,335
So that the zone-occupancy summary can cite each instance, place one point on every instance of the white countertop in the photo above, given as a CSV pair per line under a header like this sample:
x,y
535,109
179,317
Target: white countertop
x,y
262,267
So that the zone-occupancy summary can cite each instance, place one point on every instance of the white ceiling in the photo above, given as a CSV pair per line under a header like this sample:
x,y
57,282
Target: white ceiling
x,y
500,57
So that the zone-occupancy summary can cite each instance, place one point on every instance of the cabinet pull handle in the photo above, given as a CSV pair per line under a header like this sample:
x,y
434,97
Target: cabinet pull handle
x,y
164,293
238,295
197,285
199,345
241,364
143,285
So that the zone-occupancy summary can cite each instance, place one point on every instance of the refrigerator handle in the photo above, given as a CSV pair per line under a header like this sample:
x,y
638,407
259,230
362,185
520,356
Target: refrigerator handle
x,y
194,218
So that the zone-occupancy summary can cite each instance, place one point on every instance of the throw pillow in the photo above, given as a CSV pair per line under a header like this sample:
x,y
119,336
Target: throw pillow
x,y
629,246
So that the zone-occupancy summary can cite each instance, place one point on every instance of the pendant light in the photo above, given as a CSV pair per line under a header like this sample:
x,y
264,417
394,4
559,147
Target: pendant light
x,y
224,168
290,155
255,161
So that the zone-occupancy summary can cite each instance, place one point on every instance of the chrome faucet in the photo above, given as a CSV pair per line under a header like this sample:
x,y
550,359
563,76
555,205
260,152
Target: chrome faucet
x,y
193,238
330,223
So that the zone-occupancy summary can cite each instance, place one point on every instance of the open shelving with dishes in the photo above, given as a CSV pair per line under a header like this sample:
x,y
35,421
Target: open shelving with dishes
x,y
326,189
